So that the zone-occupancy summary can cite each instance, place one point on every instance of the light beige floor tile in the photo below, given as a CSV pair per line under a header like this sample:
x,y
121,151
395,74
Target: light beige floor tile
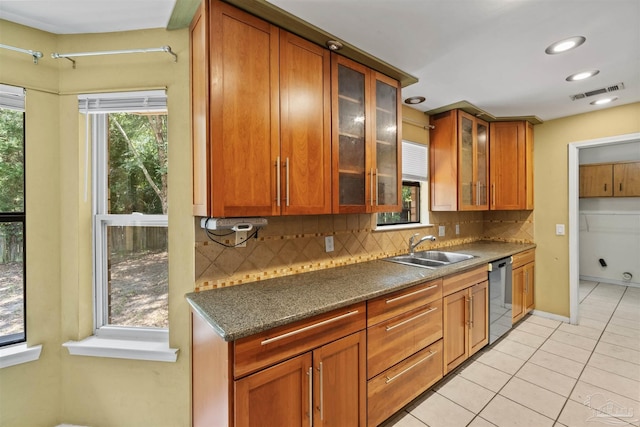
x,y
594,315
577,414
621,340
574,340
467,394
556,363
485,375
480,422
535,329
505,413
438,411
525,338
598,309
502,361
593,324
605,401
627,314
612,382
622,353
582,330
543,321
565,350
626,323
402,419
514,348
624,331
609,301
546,378
534,397
615,366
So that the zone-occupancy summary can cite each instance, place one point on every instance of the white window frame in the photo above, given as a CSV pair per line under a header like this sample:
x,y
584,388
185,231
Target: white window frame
x,y
423,179
127,342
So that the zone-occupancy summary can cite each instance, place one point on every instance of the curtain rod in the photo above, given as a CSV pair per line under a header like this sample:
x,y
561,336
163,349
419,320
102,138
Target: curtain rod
x,y
35,53
425,126
69,56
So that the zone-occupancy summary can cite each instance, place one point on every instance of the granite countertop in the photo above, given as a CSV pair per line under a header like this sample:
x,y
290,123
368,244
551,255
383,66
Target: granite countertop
x,y
242,310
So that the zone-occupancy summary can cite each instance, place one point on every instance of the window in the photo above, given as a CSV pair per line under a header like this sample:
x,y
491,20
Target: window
x,y
414,189
130,211
12,216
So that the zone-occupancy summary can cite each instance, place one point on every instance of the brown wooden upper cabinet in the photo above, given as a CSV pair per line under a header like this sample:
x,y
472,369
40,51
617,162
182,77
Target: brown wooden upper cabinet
x,y
459,158
610,180
366,139
262,123
261,127
511,166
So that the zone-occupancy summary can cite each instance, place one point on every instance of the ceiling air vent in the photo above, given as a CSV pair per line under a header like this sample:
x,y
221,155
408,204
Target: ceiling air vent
x,y
612,88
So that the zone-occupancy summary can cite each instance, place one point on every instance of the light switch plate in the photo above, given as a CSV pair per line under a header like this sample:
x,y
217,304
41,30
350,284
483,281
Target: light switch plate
x,y
559,229
441,231
457,229
328,244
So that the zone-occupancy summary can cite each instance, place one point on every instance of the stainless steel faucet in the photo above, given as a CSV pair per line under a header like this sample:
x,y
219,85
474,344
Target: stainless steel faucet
x,y
412,246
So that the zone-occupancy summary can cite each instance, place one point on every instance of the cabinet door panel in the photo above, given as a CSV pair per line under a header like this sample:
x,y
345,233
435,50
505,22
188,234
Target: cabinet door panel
x,y
479,328
529,281
340,382
244,66
517,302
443,162
455,331
507,151
466,180
275,397
305,103
626,179
596,181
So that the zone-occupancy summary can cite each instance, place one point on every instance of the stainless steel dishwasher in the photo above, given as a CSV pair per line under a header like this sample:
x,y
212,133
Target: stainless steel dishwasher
x,y
500,297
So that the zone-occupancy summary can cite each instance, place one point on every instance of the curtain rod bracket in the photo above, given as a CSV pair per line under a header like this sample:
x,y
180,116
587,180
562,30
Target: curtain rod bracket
x,y
36,54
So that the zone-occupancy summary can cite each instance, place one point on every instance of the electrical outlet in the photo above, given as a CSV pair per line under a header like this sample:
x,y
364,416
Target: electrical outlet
x,y
441,231
328,244
559,229
457,229
241,239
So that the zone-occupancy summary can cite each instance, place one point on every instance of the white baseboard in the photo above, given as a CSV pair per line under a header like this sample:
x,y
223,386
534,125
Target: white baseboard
x,y
550,316
69,425
610,281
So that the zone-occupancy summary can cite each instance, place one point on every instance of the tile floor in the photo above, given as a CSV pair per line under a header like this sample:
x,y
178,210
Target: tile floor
x,y
547,373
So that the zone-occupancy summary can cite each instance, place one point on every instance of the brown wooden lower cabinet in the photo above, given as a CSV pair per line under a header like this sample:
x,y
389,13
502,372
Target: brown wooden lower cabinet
x,y
466,326
522,283
397,386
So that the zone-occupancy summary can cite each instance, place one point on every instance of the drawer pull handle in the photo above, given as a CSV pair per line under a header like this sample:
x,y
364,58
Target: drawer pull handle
x,y
411,319
399,374
389,301
307,328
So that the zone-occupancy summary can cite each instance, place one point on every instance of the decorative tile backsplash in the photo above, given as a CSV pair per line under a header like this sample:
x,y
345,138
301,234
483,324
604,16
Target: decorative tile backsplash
x,y
292,245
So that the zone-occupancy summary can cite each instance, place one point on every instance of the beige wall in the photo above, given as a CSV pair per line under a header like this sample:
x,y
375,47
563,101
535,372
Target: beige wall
x,y
552,197
87,390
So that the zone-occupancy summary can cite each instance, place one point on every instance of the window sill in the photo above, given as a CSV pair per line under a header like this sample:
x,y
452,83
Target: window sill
x,y
19,353
157,351
400,227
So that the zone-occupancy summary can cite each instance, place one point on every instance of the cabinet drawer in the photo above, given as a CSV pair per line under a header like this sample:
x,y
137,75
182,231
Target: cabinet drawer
x,y
523,258
391,341
388,306
269,347
452,284
399,385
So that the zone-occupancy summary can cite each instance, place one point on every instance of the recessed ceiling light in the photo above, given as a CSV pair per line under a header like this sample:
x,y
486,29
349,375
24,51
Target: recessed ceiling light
x,y
604,101
565,45
415,100
582,75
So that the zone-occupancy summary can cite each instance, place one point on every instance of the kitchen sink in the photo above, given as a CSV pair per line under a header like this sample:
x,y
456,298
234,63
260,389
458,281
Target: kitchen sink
x,y
430,259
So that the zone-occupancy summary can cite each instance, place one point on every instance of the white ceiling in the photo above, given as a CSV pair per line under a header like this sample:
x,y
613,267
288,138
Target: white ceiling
x,y
487,52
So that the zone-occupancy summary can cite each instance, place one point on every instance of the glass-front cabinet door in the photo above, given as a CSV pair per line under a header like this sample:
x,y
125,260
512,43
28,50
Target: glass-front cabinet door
x,y
386,145
473,163
350,98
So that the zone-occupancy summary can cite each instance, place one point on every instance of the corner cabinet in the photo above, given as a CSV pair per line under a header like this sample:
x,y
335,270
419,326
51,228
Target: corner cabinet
x,y
365,140
257,151
459,157
620,179
511,159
